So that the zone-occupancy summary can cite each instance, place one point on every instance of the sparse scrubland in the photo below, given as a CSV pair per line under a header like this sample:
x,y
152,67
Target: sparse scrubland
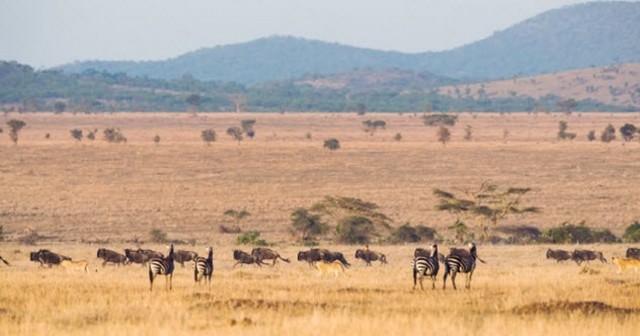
x,y
74,197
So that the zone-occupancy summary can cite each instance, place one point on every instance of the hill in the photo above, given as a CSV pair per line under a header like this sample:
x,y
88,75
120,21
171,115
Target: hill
x,y
580,36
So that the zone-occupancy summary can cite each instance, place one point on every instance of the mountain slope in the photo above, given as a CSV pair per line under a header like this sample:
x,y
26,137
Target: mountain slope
x,y
591,34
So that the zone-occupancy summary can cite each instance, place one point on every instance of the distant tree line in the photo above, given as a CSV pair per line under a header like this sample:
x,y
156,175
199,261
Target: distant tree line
x,y
24,89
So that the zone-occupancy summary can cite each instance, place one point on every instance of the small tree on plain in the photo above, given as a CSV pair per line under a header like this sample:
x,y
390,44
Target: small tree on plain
x,y
443,134
397,137
440,119
235,133
609,134
208,136
332,144
113,135
76,134
562,131
248,127
15,126
308,224
156,139
628,132
468,133
591,136
237,216
371,126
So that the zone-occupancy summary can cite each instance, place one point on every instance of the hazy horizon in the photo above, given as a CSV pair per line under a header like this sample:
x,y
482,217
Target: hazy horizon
x,y
45,33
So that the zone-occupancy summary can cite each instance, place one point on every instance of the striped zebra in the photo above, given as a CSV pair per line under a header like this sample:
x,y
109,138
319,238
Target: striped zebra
x,y
426,266
459,263
203,267
162,266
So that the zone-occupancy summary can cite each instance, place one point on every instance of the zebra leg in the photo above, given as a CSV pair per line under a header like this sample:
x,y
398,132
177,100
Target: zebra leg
x,y
171,281
468,286
453,280
150,280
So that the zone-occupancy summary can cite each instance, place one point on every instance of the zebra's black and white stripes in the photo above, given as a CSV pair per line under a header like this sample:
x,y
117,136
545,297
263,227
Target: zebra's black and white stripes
x,y
426,266
460,263
203,267
162,266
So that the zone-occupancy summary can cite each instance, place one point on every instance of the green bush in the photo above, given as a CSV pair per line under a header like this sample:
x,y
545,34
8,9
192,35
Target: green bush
x,y
632,233
571,233
355,230
409,234
251,238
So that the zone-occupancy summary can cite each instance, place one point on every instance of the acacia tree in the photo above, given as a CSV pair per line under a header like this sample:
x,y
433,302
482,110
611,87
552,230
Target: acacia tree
x,y
76,134
443,134
247,127
208,136
486,205
308,224
331,144
371,126
237,216
609,134
628,132
15,126
235,133
562,131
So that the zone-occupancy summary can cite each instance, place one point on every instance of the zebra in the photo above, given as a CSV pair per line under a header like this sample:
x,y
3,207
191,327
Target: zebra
x,y
162,266
458,263
203,267
426,266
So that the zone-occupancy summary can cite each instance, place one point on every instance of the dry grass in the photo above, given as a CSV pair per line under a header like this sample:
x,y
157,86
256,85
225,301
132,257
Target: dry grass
x,y
93,191
517,292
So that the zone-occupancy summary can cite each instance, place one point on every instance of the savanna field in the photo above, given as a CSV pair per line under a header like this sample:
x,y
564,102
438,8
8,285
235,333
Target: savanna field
x,y
80,196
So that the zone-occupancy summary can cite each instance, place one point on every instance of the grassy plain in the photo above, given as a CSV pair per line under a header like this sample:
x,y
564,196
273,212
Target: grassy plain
x,y
77,193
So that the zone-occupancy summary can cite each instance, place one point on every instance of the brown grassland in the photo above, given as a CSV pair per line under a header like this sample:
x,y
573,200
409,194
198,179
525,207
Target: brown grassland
x,y
76,194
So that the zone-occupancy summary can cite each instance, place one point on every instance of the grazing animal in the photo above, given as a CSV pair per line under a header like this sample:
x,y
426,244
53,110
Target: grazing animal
x,y
263,253
426,266
330,267
420,252
312,256
182,256
110,256
140,256
624,263
457,263
244,258
203,267
586,255
315,254
151,253
633,252
75,265
46,257
558,255
162,266
369,256
4,261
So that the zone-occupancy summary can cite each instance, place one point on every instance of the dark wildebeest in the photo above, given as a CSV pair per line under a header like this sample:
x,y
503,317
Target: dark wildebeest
x,y
368,256
46,257
633,252
135,256
244,258
263,253
151,253
315,254
329,256
586,255
111,256
182,256
420,252
558,255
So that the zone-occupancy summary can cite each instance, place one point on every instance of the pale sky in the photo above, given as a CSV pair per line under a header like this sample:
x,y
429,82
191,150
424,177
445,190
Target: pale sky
x,y
45,33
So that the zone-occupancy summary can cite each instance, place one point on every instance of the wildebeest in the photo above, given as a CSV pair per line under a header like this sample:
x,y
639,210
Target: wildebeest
x,y
633,252
242,257
558,255
315,254
420,252
263,253
368,256
46,257
586,255
135,256
330,267
111,257
181,256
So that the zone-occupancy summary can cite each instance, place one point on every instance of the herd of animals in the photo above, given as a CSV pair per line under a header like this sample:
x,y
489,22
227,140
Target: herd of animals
x,y
426,263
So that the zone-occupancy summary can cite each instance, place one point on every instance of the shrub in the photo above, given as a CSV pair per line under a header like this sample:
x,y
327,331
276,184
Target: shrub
x,y
355,230
410,234
208,136
251,238
632,233
439,119
571,233
332,144
158,236
113,135
609,134
519,234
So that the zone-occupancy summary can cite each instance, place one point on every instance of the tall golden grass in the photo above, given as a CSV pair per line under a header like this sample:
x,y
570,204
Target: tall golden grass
x,y
76,193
